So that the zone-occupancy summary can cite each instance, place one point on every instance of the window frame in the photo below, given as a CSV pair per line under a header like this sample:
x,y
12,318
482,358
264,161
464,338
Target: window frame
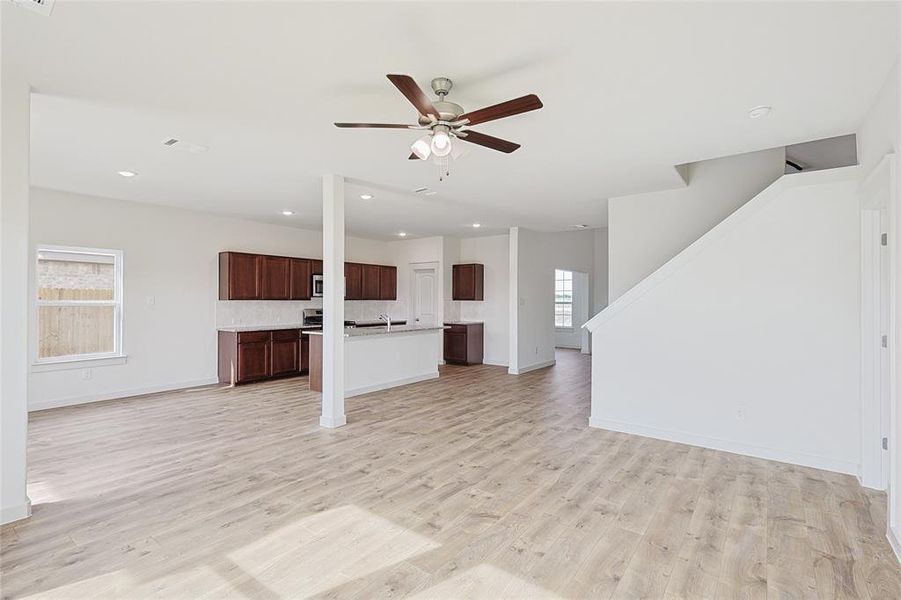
x,y
74,361
569,327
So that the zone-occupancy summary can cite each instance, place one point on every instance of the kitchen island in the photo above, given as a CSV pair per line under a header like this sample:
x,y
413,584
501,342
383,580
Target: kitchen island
x,y
377,359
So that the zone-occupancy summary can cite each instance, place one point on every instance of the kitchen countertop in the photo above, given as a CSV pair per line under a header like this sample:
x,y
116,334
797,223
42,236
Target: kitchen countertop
x,y
464,323
240,328
364,331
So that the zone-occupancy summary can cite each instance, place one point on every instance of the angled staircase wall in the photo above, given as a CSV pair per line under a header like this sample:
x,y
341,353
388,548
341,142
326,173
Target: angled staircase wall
x,y
744,335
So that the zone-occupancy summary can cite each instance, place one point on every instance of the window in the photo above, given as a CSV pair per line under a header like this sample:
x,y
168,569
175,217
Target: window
x,y
79,304
563,299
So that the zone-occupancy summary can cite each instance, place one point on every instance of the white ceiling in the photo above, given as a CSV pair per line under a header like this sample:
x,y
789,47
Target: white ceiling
x,y
630,90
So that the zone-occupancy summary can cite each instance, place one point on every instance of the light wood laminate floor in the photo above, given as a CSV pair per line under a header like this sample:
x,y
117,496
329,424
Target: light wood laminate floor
x,y
480,484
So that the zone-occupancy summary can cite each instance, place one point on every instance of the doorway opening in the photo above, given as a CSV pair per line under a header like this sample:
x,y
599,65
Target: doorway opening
x,y
571,309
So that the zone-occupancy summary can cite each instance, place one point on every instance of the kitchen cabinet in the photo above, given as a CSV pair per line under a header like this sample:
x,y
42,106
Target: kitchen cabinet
x,y
244,276
275,281
301,279
353,281
463,343
468,282
372,276
285,352
239,276
387,283
257,355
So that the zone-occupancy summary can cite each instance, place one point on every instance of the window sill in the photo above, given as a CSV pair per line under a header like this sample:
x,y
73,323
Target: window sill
x,y
564,329
78,363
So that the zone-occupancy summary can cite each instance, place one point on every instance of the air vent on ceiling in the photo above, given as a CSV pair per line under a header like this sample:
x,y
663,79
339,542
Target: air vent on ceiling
x,y
185,146
42,7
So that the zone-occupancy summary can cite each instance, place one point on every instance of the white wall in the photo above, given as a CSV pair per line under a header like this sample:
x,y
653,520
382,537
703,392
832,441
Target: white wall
x,y
600,277
494,253
14,199
749,344
172,256
646,230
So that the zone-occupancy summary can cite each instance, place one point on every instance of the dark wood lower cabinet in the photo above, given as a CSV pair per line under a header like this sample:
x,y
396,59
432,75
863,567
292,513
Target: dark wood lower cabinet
x,y
285,352
257,355
463,343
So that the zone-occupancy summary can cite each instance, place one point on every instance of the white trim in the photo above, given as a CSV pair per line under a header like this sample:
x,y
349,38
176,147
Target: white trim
x,y
681,437
78,362
11,514
495,363
120,394
532,367
678,262
390,384
894,543
332,423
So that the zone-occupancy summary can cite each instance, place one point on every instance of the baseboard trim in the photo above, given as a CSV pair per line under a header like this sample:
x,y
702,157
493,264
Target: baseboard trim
x,y
89,398
795,458
390,384
332,422
894,543
533,367
495,363
11,514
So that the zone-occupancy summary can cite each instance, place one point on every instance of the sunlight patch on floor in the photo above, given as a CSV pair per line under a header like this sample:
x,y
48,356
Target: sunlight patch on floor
x,y
485,582
325,550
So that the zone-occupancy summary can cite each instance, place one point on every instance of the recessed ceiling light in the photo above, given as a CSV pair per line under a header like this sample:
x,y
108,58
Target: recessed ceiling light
x,y
366,196
476,225
127,173
429,193
760,111
402,234
287,213
580,226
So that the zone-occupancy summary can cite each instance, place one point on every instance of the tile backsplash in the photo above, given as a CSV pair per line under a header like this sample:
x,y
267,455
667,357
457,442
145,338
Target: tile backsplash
x,y
269,312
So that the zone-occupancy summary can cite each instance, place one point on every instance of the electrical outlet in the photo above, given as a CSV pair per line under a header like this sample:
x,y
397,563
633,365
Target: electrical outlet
x,y
151,300
740,414
86,374
536,350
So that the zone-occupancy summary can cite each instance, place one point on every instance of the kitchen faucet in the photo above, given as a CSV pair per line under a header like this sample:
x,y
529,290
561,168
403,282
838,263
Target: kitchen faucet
x,y
386,319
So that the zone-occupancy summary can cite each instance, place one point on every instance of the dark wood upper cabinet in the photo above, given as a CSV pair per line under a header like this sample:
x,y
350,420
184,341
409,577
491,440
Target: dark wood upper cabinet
x,y
301,279
387,283
239,276
353,281
244,276
275,278
469,282
372,277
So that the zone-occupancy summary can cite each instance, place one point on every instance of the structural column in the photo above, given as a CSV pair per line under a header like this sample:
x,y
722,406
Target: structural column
x,y
14,143
333,302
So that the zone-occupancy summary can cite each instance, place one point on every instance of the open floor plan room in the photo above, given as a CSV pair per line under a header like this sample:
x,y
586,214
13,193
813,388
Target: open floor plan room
x,y
447,300
435,492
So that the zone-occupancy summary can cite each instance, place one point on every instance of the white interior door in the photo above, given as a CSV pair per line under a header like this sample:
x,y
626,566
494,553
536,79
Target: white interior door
x,y
425,309
884,360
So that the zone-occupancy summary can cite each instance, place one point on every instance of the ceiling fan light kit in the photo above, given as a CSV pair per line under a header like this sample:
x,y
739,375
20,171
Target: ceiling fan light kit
x,y
447,122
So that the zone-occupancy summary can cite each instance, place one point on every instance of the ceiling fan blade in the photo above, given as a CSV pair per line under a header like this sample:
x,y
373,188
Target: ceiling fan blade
x,y
489,141
414,94
412,156
375,125
504,109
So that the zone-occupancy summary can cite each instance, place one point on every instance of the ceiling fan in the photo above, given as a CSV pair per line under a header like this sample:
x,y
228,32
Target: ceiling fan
x,y
446,121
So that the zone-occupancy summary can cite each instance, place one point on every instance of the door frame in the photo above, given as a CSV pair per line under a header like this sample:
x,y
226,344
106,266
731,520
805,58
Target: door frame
x,y
877,319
